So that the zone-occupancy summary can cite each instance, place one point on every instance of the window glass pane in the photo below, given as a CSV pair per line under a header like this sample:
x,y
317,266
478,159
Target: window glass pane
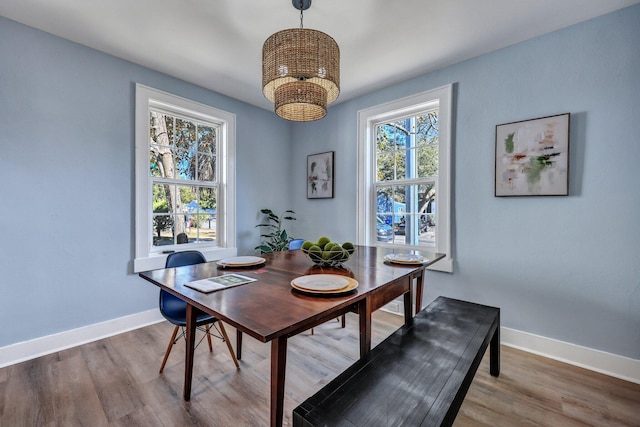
x,y
187,199
156,167
161,196
185,134
199,219
427,135
208,199
399,132
427,156
385,166
384,201
170,124
161,128
185,139
427,126
181,229
162,161
185,163
207,136
385,153
384,214
383,143
400,164
162,230
202,227
428,216
399,199
206,167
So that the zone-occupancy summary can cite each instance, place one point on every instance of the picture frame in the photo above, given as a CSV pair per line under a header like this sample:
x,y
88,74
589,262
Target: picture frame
x,y
320,175
532,157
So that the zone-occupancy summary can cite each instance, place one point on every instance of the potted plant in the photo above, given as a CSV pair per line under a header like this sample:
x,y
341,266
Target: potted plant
x,y
274,236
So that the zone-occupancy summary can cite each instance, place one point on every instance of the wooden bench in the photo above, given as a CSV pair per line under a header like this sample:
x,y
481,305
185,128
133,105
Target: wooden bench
x,y
418,376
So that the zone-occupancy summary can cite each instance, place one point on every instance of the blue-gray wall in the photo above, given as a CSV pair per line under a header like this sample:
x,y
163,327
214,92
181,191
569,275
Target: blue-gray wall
x,y
67,181
562,267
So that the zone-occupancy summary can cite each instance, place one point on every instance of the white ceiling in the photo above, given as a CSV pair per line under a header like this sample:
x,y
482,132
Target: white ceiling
x,y
217,44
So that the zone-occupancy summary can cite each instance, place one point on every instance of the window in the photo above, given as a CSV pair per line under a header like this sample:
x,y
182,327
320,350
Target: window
x,y
184,178
404,174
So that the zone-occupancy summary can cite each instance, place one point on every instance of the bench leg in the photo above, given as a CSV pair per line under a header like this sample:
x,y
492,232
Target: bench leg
x,y
494,351
419,288
408,314
364,311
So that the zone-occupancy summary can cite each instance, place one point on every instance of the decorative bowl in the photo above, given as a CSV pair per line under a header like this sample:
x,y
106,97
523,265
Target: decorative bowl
x,y
329,258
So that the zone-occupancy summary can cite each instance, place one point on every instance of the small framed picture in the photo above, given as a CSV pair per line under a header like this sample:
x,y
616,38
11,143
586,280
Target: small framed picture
x,y
532,157
320,175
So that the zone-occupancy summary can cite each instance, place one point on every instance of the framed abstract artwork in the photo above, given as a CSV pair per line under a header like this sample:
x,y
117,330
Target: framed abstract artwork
x,y
532,157
320,175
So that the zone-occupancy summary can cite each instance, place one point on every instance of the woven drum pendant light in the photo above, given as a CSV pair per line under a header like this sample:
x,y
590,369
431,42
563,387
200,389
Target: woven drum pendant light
x,y
301,71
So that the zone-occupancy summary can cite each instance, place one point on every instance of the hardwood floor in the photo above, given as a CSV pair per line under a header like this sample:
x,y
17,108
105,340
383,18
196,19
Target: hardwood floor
x,y
115,382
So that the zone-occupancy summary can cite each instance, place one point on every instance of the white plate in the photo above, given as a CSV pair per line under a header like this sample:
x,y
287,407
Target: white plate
x,y
405,258
351,286
241,261
321,282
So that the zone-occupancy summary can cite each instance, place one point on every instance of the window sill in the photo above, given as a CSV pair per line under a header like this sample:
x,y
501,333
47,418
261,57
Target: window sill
x,y
157,260
445,265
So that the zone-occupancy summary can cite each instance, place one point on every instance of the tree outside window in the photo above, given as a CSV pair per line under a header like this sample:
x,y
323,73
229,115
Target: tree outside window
x,y
406,176
182,167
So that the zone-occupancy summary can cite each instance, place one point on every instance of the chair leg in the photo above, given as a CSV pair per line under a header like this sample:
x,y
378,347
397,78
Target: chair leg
x,y
209,337
226,340
166,353
344,322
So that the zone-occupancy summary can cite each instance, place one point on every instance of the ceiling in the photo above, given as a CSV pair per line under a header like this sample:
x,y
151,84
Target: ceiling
x,y
217,44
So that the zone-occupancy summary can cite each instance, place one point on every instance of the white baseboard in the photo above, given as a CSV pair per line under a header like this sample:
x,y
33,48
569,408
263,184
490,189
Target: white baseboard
x,y
26,350
595,360
610,364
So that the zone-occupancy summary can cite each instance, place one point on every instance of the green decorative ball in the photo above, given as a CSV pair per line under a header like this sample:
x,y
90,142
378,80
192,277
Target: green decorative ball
x,y
322,241
348,246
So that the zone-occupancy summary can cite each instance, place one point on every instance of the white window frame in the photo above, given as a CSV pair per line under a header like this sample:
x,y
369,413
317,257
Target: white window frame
x,y
367,120
148,257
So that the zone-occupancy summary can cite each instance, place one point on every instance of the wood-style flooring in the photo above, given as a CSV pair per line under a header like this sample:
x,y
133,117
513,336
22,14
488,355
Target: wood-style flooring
x,y
115,382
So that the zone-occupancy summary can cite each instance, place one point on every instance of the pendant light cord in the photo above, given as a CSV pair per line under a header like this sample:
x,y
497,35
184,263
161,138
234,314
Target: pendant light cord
x,y
301,26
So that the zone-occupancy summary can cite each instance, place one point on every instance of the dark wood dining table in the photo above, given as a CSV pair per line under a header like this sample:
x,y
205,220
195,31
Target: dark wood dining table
x,y
270,310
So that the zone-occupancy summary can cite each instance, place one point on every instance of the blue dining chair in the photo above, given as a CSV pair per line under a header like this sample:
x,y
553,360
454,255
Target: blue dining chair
x,y
295,244
175,310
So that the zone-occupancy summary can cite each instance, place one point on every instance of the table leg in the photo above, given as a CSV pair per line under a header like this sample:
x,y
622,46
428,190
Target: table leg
x,y
494,351
419,286
238,344
278,369
364,311
190,342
